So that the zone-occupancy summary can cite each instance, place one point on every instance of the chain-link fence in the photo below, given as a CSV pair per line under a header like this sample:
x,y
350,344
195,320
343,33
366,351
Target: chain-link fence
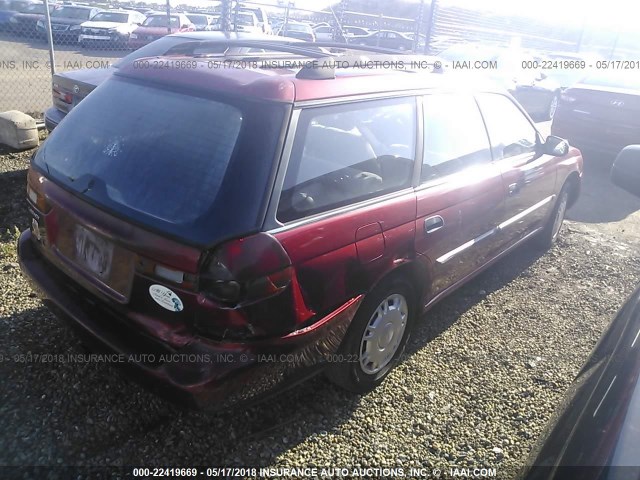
x,y
89,38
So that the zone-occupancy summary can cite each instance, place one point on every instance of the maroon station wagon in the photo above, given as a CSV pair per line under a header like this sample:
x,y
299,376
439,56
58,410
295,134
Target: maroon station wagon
x,y
287,221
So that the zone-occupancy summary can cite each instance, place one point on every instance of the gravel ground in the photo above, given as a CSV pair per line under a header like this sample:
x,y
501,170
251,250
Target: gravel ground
x,y
481,377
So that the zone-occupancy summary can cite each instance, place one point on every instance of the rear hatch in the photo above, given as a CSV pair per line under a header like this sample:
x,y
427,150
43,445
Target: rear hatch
x,y
137,186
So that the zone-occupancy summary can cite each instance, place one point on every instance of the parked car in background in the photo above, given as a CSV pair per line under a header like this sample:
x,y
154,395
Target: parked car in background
x,y
421,41
601,113
299,30
10,8
323,33
595,431
112,28
538,93
351,31
264,21
157,25
344,234
246,21
24,22
384,39
66,22
70,88
202,22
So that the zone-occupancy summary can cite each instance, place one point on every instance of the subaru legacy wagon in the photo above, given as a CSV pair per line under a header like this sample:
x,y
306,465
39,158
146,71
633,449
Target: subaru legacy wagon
x,y
232,231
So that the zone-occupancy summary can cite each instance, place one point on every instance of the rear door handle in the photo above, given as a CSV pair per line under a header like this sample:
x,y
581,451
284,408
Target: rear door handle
x,y
514,188
433,224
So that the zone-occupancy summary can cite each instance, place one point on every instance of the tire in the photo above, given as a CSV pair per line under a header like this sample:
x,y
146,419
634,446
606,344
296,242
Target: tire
x,y
391,307
551,231
553,107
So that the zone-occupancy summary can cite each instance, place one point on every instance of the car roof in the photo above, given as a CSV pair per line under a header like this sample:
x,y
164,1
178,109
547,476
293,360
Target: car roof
x,y
218,35
282,83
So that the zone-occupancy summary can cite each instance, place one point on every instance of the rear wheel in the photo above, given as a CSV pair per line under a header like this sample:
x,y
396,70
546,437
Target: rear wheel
x,y
548,236
377,337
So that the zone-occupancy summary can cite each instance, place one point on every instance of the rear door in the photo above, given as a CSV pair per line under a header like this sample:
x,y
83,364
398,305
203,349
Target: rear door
x,y
346,211
529,177
460,199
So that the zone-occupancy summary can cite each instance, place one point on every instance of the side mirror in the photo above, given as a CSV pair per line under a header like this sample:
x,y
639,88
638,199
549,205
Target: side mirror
x,y
555,146
625,172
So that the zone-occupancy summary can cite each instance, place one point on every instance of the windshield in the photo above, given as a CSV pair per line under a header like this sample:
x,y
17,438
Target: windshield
x,y
294,27
161,21
244,19
157,156
72,12
111,17
33,8
198,19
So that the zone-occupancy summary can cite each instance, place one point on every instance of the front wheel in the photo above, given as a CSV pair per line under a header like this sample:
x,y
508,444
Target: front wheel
x,y
377,337
550,233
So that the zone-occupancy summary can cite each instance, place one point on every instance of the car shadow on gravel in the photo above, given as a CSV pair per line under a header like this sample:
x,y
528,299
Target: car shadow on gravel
x,y
447,312
600,200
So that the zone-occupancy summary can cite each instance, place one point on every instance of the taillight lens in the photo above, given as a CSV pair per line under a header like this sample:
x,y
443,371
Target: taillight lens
x,y
60,95
246,270
35,194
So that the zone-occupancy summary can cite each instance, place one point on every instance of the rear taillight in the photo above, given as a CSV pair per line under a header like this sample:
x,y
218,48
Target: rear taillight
x,y
244,271
35,193
60,95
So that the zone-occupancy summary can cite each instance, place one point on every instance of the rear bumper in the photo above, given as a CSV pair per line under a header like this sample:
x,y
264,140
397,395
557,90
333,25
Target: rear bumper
x,y
52,117
203,373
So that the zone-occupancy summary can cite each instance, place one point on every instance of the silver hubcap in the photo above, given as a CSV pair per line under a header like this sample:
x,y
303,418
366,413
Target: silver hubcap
x,y
383,334
562,208
553,106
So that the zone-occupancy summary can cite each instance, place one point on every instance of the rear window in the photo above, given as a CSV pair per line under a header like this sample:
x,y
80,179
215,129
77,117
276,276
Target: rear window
x,y
161,21
155,155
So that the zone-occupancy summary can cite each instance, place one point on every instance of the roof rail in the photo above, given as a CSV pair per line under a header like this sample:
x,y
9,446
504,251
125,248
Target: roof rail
x,y
300,48
314,70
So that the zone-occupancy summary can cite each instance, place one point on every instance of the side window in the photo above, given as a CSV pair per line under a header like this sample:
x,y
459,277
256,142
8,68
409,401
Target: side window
x,y
455,137
510,131
348,153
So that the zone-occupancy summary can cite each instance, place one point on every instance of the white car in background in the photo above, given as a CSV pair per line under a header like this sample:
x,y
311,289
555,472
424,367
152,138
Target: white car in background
x,y
247,21
112,28
324,33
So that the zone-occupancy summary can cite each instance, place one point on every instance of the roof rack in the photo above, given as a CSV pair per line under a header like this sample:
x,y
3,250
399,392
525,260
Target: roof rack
x,y
316,69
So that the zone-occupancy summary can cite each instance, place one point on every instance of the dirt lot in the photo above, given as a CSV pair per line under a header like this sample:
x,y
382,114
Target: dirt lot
x,y
484,371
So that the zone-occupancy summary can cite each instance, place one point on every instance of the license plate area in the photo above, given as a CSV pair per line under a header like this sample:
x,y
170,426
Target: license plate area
x,y
93,253
95,261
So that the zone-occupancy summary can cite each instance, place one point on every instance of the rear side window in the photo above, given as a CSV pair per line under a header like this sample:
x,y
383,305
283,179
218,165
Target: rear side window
x,y
348,153
455,137
510,131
